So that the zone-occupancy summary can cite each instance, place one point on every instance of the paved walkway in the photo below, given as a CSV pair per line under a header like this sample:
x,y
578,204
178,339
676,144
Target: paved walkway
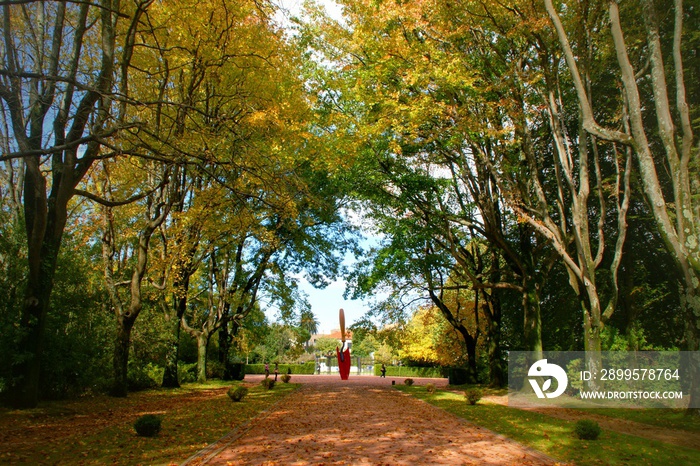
x,y
362,422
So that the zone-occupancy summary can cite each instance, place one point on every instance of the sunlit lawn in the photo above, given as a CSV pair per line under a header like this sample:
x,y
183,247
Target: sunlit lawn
x,y
555,436
667,418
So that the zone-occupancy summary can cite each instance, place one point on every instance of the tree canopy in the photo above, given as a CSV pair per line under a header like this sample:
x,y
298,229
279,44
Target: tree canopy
x,y
171,170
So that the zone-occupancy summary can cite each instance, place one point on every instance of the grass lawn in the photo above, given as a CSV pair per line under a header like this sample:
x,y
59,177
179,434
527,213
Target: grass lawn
x,y
100,430
555,436
666,418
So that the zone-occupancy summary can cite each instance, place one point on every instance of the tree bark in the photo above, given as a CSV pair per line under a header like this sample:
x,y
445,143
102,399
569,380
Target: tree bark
x,y
532,318
172,356
120,360
202,344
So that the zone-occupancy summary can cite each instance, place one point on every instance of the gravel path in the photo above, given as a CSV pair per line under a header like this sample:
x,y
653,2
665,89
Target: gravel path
x,y
362,421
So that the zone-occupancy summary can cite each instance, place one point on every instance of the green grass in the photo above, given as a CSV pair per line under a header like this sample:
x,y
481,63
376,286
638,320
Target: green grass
x,y
186,428
666,418
555,437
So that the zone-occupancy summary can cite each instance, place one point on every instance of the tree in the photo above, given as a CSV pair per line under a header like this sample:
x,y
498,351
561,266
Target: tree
x,y
667,141
365,347
325,346
63,75
428,339
308,322
130,262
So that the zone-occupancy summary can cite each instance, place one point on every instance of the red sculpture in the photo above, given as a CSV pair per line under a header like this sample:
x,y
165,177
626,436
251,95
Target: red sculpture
x,y
343,354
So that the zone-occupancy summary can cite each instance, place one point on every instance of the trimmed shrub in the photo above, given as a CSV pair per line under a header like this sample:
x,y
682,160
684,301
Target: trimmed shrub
x,y
267,383
430,388
237,393
147,425
408,382
286,378
587,429
472,395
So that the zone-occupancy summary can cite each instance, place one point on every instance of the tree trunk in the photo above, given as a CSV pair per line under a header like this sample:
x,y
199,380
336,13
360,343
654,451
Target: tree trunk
x,y
532,319
496,370
472,372
44,228
202,344
592,343
25,391
690,304
122,342
172,357
225,340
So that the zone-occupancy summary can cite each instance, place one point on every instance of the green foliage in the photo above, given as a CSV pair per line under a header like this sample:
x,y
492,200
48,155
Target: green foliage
x,y
408,382
215,369
587,429
325,345
430,388
286,378
281,344
472,395
364,347
267,383
305,368
403,371
148,425
143,377
237,393
187,372
79,336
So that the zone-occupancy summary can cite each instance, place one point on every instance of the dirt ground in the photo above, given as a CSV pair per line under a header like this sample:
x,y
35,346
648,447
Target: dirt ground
x,y
362,421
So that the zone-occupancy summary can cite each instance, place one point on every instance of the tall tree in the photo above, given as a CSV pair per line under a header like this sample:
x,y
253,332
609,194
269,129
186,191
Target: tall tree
x,y
665,147
130,261
61,81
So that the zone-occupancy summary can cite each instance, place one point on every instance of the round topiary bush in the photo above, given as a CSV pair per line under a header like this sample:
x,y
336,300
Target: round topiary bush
x,y
408,382
147,425
267,383
286,378
472,395
587,429
430,388
237,393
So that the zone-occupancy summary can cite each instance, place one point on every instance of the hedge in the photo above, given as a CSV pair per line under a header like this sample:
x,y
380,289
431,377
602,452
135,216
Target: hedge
x,y
411,371
306,368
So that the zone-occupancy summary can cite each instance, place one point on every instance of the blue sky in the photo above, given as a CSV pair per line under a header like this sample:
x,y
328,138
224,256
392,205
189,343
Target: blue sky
x,y
326,303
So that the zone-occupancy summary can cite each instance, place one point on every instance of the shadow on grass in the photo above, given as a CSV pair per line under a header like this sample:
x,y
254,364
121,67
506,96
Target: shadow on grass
x,y
555,436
